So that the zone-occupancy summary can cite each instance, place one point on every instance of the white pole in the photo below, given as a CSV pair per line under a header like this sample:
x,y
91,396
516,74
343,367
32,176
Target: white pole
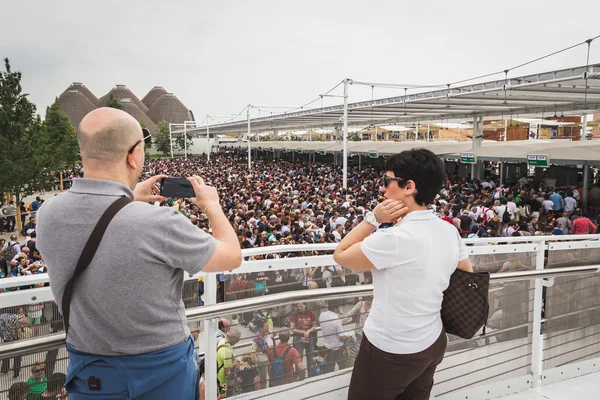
x,y
171,140
208,138
345,167
582,134
505,130
417,132
428,133
248,138
185,139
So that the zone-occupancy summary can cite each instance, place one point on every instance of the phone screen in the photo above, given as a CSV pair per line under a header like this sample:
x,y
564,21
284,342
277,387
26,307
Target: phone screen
x,y
176,187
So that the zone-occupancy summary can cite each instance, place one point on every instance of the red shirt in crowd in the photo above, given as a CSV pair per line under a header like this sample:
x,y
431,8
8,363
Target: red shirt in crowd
x,y
583,226
303,321
291,358
448,220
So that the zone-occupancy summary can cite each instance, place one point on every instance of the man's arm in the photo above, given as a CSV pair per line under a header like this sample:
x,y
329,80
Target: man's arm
x,y
592,226
228,254
349,254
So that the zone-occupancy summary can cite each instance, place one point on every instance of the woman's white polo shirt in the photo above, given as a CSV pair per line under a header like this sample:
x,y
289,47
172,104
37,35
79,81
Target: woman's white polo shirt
x,y
413,262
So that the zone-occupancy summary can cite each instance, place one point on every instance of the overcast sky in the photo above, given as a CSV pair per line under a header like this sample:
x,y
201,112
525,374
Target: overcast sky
x,y
218,56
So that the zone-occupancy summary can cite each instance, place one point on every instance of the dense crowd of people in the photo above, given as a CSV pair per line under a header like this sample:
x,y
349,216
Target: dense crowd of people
x,y
281,202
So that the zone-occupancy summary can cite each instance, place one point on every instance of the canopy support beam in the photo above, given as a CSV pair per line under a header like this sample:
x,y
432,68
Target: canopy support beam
x,y
345,120
477,168
248,139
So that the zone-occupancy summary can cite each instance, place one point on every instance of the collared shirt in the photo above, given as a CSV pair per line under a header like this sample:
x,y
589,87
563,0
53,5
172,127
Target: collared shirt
x,y
128,301
331,329
570,204
413,262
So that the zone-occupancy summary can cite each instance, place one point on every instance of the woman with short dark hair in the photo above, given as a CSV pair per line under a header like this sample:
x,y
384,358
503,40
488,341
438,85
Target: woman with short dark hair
x,y
411,262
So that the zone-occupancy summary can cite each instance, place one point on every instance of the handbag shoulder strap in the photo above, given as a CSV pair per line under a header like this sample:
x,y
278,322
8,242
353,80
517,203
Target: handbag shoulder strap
x,y
88,252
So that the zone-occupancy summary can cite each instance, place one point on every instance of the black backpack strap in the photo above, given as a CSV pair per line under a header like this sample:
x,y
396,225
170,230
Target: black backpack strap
x,y
89,250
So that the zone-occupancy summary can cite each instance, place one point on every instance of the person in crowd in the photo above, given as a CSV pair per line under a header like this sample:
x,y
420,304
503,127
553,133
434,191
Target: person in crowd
x,y
237,289
358,314
56,388
318,363
570,202
38,383
246,375
226,358
138,321
404,340
18,391
564,222
223,327
284,355
10,212
262,341
582,225
10,324
334,337
557,200
29,226
303,326
9,251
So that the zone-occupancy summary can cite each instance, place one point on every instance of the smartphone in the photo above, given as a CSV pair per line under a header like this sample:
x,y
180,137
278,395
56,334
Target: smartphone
x,y
176,187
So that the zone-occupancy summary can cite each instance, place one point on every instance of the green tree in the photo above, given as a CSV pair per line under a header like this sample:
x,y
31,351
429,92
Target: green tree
x,y
24,149
180,143
114,103
161,138
62,138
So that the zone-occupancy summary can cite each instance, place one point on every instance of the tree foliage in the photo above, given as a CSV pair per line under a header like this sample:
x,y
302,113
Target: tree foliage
x,y
25,159
114,103
180,141
161,138
62,137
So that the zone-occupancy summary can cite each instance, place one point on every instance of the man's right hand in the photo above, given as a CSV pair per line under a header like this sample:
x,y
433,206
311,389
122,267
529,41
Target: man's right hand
x,y
205,195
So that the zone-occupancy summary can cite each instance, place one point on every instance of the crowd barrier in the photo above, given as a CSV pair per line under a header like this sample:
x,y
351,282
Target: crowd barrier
x,y
543,324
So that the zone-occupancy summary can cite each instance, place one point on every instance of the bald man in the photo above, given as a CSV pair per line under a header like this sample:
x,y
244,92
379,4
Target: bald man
x,y
127,327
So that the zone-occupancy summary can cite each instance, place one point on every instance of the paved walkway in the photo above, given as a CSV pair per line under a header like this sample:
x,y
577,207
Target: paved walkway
x,y
583,387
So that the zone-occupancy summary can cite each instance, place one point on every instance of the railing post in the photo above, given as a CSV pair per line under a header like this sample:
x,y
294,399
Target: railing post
x,y
210,345
537,340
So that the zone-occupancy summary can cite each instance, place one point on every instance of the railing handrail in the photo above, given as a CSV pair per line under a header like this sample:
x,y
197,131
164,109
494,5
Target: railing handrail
x,y
55,340
44,278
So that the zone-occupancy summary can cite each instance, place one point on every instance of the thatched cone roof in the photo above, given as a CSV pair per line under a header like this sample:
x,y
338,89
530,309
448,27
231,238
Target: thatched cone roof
x,y
132,109
80,87
154,94
76,105
169,108
120,92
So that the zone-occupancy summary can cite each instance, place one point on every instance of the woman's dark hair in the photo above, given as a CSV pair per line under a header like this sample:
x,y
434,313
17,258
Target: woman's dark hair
x,y
422,167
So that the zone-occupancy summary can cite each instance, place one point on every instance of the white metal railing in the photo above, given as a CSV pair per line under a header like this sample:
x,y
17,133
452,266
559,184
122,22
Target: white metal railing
x,y
535,247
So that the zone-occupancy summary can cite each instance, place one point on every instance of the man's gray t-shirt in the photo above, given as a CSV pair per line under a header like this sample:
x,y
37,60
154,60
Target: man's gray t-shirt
x,y
10,210
128,300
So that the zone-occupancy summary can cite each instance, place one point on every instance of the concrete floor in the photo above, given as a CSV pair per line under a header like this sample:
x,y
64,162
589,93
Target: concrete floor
x,y
583,387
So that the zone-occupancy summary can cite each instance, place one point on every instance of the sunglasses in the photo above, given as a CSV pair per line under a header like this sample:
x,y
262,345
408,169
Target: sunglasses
x,y
148,136
386,180
37,370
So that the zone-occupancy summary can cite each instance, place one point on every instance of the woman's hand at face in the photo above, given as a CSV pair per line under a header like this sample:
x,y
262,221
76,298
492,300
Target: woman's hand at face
x,y
389,211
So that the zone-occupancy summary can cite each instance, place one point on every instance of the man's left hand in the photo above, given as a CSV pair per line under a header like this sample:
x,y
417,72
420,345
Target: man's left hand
x,y
147,191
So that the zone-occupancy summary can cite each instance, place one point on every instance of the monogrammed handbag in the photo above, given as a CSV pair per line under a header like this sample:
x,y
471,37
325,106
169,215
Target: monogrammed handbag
x,y
465,306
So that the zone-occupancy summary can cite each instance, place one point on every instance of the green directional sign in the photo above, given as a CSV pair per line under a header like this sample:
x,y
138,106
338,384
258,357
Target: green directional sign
x,y
468,158
538,160
373,154
322,152
300,151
